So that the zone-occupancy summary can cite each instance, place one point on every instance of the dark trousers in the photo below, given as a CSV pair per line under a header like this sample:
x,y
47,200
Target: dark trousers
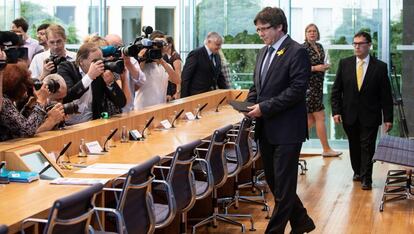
x,y
361,148
281,171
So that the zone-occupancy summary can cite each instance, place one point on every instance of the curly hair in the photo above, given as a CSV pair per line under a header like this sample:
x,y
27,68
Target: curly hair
x,y
16,81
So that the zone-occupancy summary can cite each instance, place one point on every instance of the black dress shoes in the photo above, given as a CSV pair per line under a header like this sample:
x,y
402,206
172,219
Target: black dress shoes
x,y
366,185
356,177
304,227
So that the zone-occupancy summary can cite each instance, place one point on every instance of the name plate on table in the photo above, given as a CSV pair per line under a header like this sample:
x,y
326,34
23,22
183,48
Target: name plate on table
x,y
166,124
134,135
189,116
94,147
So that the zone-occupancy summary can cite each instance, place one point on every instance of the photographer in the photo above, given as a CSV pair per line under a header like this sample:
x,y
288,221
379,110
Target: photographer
x,y
132,78
46,62
17,86
41,35
93,87
20,27
157,71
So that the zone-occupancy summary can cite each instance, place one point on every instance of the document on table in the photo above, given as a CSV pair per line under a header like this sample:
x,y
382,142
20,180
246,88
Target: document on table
x,y
107,168
78,181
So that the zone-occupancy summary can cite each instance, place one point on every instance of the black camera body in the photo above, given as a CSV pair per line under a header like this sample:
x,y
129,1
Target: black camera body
x,y
56,59
52,85
114,65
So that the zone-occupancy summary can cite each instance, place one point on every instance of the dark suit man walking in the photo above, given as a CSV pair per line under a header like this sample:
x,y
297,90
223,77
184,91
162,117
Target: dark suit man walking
x,y
361,99
280,83
202,69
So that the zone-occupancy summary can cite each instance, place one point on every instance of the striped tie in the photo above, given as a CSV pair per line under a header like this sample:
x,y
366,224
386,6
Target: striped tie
x,y
360,73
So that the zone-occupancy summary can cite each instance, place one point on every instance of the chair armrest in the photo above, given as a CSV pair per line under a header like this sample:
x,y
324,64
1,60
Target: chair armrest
x,y
230,142
172,207
120,223
232,135
206,141
31,220
210,179
201,149
166,156
162,167
112,189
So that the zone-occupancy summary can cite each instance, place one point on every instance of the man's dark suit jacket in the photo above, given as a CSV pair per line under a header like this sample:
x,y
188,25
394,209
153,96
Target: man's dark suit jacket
x,y
199,75
282,96
100,92
367,104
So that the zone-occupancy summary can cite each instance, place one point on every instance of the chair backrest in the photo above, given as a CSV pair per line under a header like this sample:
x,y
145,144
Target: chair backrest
x,y
181,177
3,229
72,214
244,149
215,156
136,203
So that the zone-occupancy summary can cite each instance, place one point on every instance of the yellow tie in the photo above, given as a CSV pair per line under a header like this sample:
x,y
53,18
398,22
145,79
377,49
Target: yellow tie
x,y
360,73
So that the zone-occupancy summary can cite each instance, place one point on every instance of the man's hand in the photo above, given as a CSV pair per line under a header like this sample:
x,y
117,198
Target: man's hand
x,y
56,114
255,111
48,67
387,126
96,69
337,119
108,77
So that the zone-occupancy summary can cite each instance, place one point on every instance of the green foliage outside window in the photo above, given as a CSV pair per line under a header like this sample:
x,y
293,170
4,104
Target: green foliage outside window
x,y
36,15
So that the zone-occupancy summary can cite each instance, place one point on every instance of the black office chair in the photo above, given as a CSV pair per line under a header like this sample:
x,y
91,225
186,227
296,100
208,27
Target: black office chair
x,y
136,204
3,229
239,156
256,183
214,155
181,179
71,214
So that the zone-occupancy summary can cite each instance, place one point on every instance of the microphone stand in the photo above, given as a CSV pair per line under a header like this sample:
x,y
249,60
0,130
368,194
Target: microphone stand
x,y
221,101
109,138
146,126
176,117
199,111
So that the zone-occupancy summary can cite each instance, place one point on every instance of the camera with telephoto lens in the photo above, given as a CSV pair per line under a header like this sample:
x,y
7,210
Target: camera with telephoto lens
x,y
114,65
56,59
52,85
11,44
69,108
154,48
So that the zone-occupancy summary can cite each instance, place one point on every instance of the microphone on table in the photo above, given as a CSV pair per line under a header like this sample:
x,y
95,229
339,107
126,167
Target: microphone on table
x,y
109,138
238,95
199,110
146,126
176,117
221,101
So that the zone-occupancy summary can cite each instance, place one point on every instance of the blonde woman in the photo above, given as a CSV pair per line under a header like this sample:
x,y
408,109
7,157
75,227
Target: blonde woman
x,y
314,94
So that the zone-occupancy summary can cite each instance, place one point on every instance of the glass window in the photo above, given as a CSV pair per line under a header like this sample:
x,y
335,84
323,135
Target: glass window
x,y
131,23
93,17
65,13
164,20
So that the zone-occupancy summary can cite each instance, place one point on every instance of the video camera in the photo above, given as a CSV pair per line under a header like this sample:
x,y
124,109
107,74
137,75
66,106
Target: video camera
x,y
154,48
56,59
10,43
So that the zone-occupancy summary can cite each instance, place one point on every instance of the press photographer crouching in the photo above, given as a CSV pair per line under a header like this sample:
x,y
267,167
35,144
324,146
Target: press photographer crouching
x,y
33,118
58,90
91,85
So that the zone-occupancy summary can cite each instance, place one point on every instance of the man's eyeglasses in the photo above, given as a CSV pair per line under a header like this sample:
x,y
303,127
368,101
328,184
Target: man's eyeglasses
x,y
263,29
355,44
57,42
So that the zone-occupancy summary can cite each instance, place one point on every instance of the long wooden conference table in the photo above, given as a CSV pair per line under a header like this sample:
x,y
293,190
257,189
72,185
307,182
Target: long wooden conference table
x,y
20,201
